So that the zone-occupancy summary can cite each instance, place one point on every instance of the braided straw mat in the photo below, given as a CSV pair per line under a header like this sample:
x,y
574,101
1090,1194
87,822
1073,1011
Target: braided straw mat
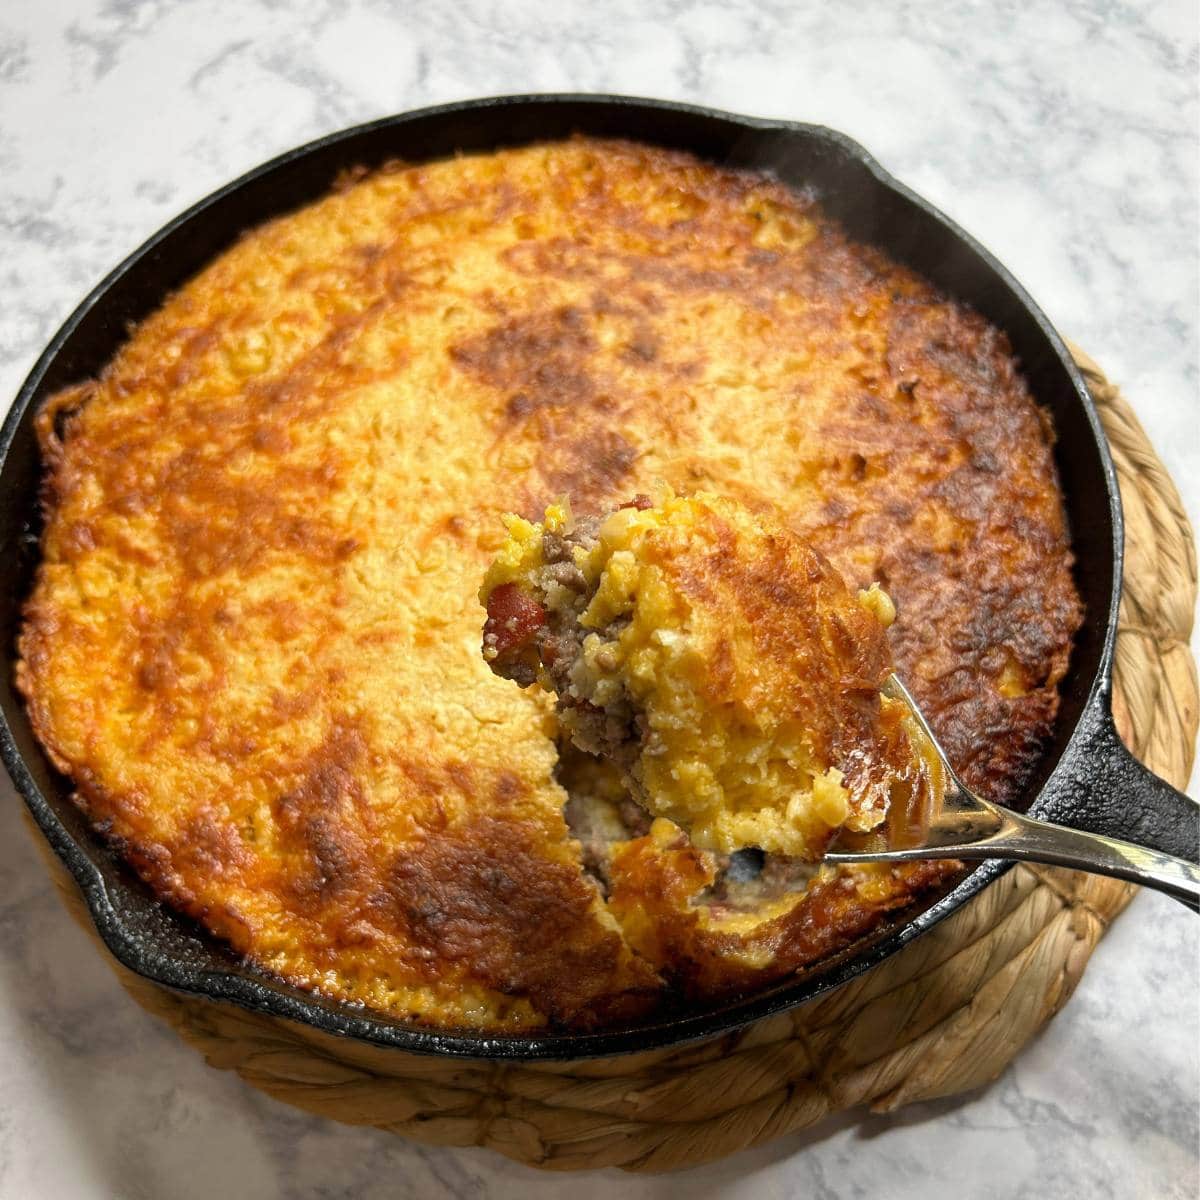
x,y
944,1015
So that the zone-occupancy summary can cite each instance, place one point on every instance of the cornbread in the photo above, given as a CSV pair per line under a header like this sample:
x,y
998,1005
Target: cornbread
x,y
252,643
719,662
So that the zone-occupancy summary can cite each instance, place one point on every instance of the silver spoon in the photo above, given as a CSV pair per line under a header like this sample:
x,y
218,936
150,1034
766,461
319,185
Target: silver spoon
x,y
969,827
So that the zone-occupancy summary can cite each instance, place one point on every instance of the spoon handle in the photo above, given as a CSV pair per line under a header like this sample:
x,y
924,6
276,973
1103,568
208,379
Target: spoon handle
x,y
1030,840
1013,836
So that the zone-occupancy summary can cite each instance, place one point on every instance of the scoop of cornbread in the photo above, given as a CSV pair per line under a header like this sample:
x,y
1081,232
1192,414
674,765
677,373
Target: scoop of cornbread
x,y
718,660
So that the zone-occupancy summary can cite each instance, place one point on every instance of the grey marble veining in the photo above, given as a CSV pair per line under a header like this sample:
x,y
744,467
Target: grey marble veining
x,y
1063,136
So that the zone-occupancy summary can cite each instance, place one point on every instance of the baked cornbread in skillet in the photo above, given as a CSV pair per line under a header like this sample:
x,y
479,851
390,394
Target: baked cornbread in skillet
x,y
719,662
253,639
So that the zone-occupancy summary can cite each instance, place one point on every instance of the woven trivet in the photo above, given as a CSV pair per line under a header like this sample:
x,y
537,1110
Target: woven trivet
x,y
946,1014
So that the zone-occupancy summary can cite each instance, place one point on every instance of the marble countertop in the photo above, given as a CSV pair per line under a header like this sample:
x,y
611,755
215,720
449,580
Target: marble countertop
x,y
1063,137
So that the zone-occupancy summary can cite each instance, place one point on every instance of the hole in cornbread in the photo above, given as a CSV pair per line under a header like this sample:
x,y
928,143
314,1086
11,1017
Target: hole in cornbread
x,y
718,663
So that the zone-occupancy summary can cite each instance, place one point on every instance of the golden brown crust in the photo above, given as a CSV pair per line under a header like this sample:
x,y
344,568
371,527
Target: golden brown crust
x,y
487,900
252,642
820,652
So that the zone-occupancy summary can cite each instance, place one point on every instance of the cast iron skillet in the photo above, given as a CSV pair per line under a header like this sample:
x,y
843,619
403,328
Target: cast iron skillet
x,y
1087,778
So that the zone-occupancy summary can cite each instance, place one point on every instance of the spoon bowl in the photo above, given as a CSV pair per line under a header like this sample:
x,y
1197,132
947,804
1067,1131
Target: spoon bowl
x,y
966,826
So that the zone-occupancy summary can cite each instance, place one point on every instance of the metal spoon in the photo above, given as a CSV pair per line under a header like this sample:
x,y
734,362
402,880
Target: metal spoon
x,y
968,827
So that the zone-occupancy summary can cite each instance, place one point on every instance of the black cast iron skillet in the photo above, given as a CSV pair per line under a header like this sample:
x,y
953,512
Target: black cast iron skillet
x,y
1086,779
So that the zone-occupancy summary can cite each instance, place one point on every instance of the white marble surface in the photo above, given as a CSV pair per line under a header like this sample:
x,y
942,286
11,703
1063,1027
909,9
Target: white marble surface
x,y
1063,136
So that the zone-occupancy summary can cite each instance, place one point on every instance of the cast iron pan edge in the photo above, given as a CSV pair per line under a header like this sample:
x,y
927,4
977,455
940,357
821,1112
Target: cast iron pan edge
x,y
745,141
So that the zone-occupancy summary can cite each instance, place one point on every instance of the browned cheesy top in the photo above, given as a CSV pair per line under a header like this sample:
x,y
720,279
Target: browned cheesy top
x,y
253,640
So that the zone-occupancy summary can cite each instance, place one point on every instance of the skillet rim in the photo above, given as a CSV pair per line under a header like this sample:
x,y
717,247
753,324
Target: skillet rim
x,y
257,992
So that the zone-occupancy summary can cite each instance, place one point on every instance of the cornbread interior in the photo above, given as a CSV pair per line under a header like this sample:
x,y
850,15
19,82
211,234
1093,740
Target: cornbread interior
x,y
253,638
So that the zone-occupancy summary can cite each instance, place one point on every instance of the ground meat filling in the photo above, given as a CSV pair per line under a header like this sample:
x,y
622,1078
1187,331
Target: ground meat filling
x,y
600,812
524,636
522,633
616,730
513,619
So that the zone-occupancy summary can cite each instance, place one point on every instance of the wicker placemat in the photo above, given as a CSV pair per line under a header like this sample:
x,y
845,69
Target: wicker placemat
x,y
943,1016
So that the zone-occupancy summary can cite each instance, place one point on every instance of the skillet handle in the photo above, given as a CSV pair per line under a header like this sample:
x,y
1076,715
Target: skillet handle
x,y
1101,788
